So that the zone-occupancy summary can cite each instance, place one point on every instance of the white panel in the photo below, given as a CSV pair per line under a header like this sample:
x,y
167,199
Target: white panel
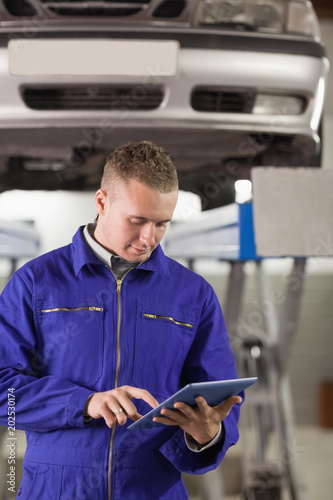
x,y
93,57
293,211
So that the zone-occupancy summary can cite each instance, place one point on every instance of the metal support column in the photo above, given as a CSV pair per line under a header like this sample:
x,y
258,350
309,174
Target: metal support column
x,y
270,402
212,483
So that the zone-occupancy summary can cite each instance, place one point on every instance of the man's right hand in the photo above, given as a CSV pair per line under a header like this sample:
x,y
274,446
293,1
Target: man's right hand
x,y
107,405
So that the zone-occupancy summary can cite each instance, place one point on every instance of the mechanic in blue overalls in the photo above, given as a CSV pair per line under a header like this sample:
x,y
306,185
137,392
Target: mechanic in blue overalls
x,y
96,333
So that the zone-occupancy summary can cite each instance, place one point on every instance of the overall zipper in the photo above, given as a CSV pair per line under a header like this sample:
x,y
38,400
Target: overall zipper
x,y
157,316
88,308
119,283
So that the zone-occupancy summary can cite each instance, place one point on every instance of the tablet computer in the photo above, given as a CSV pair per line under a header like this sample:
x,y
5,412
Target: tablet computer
x,y
214,393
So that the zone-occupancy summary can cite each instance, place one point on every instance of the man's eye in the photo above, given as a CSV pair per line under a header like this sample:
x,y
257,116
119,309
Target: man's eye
x,y
137,222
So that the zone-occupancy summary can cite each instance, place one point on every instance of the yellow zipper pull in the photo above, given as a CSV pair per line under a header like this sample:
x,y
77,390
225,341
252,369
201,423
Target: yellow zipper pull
x,y
99,309
119,285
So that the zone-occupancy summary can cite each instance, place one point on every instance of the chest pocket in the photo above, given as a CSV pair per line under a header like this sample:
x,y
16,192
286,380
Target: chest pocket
x,y
164,335
70,338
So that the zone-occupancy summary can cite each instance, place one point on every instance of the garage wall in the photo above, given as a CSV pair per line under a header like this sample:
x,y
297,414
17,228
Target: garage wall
x,y
56,215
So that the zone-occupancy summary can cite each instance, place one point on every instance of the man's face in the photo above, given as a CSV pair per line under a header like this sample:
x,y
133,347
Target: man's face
x,y
133,223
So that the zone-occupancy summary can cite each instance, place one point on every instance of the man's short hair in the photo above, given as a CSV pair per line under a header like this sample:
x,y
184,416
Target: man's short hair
x,y
144,162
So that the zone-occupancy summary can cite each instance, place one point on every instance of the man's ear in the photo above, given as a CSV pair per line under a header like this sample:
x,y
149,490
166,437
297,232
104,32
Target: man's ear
x,y
100,201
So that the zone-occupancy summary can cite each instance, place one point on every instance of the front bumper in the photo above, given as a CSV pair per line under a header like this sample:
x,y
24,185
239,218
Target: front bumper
x,y
197,140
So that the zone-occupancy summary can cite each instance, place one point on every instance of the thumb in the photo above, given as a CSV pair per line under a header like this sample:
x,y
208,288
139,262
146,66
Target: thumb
x,y
225,407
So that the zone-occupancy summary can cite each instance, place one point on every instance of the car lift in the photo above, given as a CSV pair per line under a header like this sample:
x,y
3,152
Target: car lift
x,y
18,240
237,234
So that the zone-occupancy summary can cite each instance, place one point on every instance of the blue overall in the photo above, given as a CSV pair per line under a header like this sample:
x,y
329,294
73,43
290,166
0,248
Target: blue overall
x,y
68,329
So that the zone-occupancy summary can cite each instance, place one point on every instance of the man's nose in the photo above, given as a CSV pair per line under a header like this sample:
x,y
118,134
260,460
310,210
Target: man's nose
x,y
147,235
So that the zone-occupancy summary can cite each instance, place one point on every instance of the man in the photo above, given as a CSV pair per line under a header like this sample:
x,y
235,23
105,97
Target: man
x,y
107,319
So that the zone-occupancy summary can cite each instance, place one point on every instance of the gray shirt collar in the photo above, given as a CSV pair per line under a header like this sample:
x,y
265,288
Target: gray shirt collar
x,y
101,253
114,262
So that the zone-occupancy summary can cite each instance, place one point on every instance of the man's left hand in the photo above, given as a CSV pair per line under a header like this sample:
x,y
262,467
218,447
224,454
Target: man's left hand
x,y
201,422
